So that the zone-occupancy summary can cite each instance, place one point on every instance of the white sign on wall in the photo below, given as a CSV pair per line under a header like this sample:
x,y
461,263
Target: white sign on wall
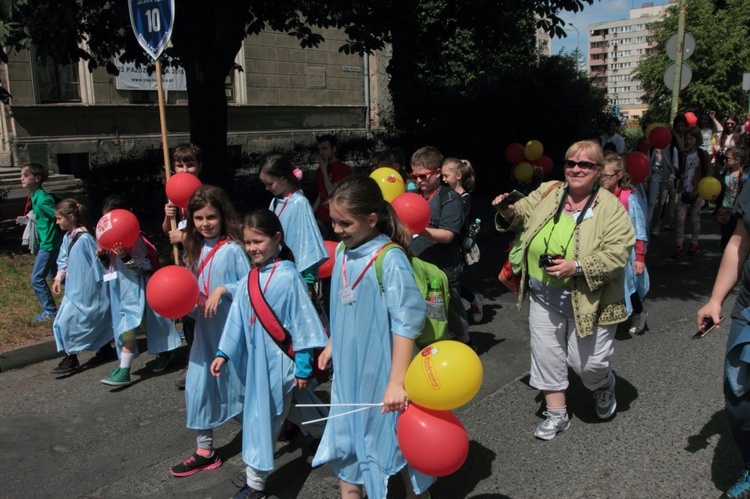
x,y
134,77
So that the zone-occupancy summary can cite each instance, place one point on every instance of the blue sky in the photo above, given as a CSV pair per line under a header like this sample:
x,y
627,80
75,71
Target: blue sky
x,y
599,11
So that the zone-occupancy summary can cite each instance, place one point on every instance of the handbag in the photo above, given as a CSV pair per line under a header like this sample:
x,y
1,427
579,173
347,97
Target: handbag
x,y
271,323
722,215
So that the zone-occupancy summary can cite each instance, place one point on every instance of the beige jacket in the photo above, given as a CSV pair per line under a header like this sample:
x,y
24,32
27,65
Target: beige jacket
x,y
601,244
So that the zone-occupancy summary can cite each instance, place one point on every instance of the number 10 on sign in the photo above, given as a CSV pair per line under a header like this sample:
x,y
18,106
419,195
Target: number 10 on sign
x,y
152,22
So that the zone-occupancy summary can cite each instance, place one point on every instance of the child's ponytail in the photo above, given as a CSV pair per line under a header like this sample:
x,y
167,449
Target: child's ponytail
x,y
70,207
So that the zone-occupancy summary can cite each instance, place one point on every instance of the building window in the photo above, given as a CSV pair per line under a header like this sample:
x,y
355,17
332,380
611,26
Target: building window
x,y
56,82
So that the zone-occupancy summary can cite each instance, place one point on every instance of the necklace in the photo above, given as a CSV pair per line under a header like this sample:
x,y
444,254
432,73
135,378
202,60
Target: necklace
x,y
574,208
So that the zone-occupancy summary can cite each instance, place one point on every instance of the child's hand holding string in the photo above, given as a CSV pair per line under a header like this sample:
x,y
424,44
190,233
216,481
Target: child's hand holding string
x,y
395,398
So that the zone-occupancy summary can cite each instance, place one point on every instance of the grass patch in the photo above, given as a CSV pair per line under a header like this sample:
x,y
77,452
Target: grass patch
x,y
19,304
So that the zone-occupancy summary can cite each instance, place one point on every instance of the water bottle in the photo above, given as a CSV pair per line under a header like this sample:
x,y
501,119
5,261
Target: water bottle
x,y
471,236
436,302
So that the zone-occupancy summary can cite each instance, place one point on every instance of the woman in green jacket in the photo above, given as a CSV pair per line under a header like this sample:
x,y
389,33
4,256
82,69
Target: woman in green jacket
x,y
576,242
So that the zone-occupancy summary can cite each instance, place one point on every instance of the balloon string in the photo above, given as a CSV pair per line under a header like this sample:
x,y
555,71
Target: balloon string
x,y
337,415
341,405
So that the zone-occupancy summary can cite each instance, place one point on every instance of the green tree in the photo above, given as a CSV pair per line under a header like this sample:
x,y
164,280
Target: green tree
x,y
720,58
208,33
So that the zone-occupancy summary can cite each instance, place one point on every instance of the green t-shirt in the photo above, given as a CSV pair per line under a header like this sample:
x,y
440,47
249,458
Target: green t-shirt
x,y
43,205
555,240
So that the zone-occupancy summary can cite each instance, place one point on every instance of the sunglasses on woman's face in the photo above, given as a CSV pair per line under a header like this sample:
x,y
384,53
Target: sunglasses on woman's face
x,y
423,176
583,165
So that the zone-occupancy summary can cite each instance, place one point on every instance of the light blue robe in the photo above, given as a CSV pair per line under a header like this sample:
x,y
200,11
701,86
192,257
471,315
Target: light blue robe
x,y
301,232
211,401
362,448
633,283
130,310
267,371
83,321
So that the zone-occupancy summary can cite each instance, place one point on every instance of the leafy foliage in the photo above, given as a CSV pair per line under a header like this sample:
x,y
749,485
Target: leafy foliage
x,y
720,58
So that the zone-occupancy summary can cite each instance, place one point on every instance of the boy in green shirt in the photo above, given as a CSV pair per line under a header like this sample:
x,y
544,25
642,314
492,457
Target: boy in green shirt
x,y
50,237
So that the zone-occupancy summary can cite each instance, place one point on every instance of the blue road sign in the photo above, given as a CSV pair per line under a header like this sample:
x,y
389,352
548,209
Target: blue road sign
x,y
152,22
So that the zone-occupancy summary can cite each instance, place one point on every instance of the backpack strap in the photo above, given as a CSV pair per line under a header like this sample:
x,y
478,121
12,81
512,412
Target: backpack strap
x,y
75,238
379,261
266,315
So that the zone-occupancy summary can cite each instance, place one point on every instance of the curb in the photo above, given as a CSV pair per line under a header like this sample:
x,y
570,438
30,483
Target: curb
x,y
28,354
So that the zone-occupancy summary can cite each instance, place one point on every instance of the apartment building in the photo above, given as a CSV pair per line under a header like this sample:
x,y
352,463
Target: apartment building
x,y
67,117
615,49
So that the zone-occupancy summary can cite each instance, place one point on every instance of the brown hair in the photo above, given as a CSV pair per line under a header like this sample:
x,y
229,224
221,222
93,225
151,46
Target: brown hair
x,y
278,165
266,222
37,170
428,157
230,228
185,153
360,196
70,207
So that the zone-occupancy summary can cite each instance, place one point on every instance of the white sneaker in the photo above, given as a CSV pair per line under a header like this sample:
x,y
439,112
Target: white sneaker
x,y
639,323
476,308
606,404
554,424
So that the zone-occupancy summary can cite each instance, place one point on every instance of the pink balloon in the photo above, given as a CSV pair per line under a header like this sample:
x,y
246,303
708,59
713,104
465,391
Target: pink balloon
x,y
413,210
638,166
326,269
180,187
515,153
660,137
172,291
117,226
691,118
433,442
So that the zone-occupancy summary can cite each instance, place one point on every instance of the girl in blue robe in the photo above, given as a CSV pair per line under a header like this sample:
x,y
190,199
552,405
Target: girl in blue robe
x,y
301,231
269,373
302,236
83,321
127,276
213,251
372,343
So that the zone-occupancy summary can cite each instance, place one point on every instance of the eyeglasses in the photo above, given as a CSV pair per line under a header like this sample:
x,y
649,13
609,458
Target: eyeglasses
x,y
423,176
608,176
731,123
583,165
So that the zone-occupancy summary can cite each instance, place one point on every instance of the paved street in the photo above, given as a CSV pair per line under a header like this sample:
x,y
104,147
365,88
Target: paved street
x,y
73,437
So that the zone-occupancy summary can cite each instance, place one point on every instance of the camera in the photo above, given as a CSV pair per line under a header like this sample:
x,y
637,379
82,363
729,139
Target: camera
x,y
545,260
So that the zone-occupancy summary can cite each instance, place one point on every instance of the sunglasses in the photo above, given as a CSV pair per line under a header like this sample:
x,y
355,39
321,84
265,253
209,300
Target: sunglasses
x,y
583,165
423,176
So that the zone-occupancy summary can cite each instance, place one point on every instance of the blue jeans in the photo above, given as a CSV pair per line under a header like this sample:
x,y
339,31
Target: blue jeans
x,y
738,410
45,265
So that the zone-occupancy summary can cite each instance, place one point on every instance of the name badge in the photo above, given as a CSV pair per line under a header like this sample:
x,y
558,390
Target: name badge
x,y
22,220
182,225
346,296
110,276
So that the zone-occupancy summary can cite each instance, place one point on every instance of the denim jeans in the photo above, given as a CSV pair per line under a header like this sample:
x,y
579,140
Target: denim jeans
x,y
45,265
738,411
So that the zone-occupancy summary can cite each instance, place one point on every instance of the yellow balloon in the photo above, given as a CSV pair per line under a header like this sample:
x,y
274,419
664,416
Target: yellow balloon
x,y
390,181
709,188
523,172
444,376
533,150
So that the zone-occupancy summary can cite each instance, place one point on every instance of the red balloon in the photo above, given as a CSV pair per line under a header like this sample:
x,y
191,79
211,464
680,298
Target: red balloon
x,y
180,187
117,226
638,166
515,153
413,210
433,442
691,118
326,269
545,163
172,291
660,137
